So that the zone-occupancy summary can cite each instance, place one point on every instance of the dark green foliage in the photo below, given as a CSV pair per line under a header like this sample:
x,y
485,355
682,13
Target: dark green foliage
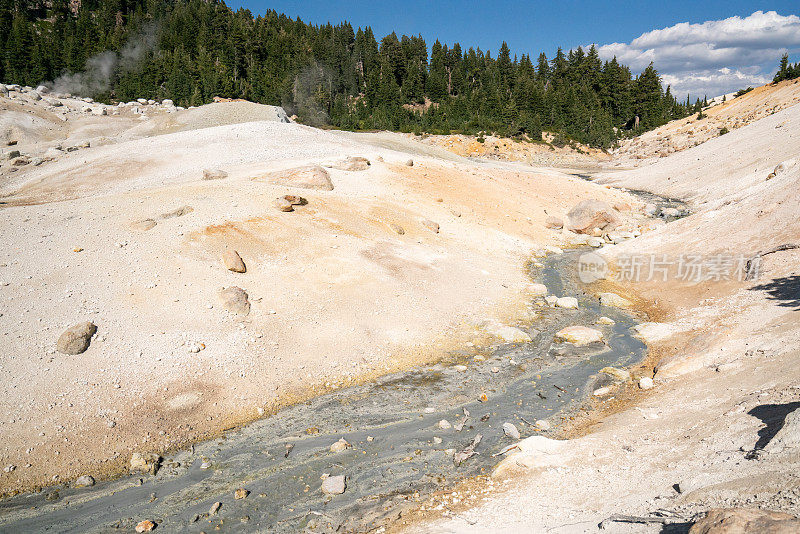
x,y
786,70
723,130
193,50
741,92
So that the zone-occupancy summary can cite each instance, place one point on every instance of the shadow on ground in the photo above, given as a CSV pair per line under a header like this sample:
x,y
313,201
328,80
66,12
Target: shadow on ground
x,y
785,289
774,416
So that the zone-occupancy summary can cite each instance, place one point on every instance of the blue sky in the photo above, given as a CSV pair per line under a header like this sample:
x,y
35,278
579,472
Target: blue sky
x,y
712,54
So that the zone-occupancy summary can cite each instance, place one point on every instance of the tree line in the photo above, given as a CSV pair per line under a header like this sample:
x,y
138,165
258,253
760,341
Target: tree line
x,y
786,70
193,50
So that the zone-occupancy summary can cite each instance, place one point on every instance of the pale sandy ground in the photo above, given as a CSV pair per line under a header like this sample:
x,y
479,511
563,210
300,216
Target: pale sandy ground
x,y
726,368
337,295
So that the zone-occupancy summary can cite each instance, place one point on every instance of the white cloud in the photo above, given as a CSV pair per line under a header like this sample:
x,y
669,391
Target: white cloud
x,y
713,57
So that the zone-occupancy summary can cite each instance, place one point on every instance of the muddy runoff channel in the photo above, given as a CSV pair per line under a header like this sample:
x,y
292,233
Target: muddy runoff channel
x,y
398,452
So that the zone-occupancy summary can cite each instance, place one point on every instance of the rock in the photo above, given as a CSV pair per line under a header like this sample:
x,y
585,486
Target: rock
x,y
283,205
569,303
541,424
334,485
410,163
240,493
42,89
76,339
444,424
13,154
214,174
340,445
147,462
214,508
595,242
670,212
84,481
620,205
746,521
235,300
9,468
605,321
511,334
143,225
580,335
179,212
551,300
430,225
54,102
590,214
353,163
534,452
650,210
99,111
619,237
788,437
646,383
295,200
554,223
510,430
617,374
167,102
397,228
233,262
53,152
307,177
145,526
538,290
653,332
614,300
599,392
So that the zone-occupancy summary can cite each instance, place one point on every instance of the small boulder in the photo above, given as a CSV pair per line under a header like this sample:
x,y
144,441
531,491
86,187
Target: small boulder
x,y
353,163
167,102
397,228
444,424
84,481
746,521
214,174
334,485
538,290
145,526
605,321
76,339
510,430
340,445
553,223
646,383
590,214
580,335
147,462
542,424
235,300
233,262
614,300
430,225
410,163
240,493
283,205
511,334
307,177
595,242
551,300
295,200
569,303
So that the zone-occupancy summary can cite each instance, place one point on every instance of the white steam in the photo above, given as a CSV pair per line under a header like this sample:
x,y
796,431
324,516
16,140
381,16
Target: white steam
x,y
100,69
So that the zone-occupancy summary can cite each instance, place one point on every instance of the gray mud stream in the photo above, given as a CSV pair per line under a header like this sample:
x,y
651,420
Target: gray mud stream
x,y
400,460
391,424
